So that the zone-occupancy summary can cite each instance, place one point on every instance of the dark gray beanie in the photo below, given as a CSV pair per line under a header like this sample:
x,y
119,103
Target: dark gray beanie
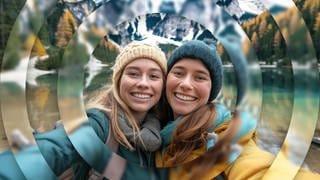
x,y
208,55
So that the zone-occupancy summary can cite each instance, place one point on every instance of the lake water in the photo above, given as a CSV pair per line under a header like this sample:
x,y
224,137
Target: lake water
x,y
284,98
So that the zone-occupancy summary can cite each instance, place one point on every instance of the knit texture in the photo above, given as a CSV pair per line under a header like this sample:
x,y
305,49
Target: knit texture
x,y
135,50
148,138
208,55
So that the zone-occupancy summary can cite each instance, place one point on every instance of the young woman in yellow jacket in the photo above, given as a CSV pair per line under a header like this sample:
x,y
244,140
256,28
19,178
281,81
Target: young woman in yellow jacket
x,y
194,80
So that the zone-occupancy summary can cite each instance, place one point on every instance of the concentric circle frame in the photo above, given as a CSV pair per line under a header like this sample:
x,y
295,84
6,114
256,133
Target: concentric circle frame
x,y
71,100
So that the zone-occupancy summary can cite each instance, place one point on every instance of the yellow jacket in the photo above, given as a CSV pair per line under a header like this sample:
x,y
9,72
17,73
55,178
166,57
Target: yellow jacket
x,y
181,172
253,163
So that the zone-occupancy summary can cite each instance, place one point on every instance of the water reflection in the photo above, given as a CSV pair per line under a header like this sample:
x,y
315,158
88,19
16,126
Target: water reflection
x,y
42,102
279,93
278,96
276,110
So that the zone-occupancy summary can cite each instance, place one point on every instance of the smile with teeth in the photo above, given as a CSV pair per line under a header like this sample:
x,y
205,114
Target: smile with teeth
x,y
141,95
184,97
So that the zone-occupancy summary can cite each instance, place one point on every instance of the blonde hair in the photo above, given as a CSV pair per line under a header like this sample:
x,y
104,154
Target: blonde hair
x,y
110,100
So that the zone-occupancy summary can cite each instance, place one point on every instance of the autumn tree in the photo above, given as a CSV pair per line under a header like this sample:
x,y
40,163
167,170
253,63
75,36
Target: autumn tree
x,y
317,35
106,51
262,27
255,42
223,54
277,43
309,10
66,28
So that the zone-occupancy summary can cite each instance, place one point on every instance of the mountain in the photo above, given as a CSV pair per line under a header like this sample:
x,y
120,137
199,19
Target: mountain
x,y
232,7
242,10
172,27
252,6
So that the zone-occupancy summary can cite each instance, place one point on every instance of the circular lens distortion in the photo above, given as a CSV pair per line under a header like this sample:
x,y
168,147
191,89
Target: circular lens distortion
x,y
90,78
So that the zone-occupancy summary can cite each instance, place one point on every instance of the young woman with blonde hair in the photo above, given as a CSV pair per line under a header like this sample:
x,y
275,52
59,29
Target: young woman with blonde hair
x,y
125,116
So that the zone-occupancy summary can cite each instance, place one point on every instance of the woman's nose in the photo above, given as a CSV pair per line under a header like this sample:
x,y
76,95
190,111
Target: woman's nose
x,y
143,82
186,83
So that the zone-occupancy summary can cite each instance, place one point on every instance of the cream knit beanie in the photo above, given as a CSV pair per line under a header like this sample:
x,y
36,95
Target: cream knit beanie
x,y
135,50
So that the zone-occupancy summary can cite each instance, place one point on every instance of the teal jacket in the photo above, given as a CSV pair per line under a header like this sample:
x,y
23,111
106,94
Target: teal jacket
x,y
83,149
223,117
248,124
88,148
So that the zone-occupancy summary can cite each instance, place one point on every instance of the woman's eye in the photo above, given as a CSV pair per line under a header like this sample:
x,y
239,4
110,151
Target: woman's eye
x,y
178,73
155,76
201,78
133,74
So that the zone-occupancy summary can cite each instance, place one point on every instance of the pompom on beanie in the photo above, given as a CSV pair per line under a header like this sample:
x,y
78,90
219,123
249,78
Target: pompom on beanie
x,y
208,55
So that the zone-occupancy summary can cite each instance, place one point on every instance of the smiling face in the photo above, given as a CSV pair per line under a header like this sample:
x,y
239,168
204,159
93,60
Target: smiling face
x,y
141,85
188,86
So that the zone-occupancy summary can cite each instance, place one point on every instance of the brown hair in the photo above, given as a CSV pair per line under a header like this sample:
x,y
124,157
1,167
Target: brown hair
x,y
191,133
218,153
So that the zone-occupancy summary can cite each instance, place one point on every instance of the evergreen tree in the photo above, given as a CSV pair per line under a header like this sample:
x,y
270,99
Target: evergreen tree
x,y
52,21
277,44
268,53
9,11
317,35
310,9
12,57
106,51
